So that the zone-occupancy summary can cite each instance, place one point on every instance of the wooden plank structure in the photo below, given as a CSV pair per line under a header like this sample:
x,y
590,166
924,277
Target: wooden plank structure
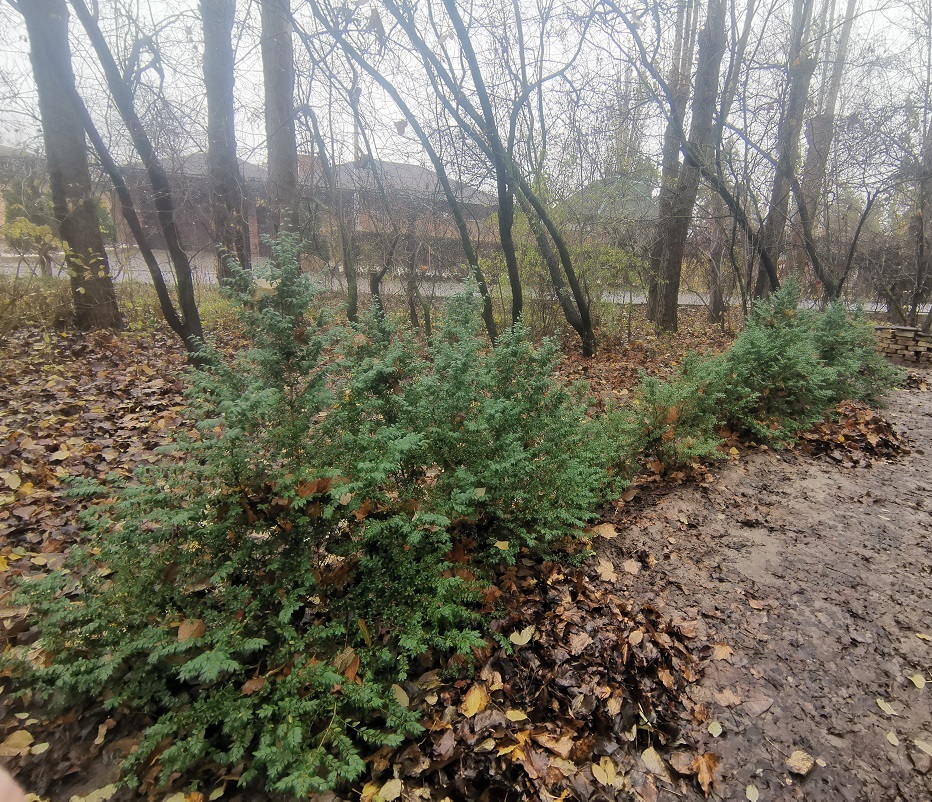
x,y
904,344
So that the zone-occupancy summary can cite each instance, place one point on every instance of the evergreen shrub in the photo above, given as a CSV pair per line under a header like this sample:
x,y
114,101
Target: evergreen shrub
x,y
256,594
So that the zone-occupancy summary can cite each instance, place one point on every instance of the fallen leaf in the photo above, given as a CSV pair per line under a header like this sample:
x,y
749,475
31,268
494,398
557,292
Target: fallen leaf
x,y
606,570
925,747
504,545
918,680
715,729
516,715
891,737
475,701
608,531
480,492
250,686
653,762
923,636
401,695
15,743
721,651
561,745
391,790
755,604
216,793
523,637
800,762
631,566
705,771
886,707
191,628
604,771
38,749
751,793
727,698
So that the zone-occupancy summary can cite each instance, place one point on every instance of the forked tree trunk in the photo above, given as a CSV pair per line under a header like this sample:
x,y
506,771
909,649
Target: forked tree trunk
x,y
228,205
75,208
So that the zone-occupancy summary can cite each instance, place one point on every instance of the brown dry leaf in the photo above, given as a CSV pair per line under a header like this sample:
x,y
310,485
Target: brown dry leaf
x,y
561,746
606,530
578,642
755,604
722,651
727,698
683,762
666,678
629,494
604,771
705,771
190,629
606,570
250,686
631,566
475,701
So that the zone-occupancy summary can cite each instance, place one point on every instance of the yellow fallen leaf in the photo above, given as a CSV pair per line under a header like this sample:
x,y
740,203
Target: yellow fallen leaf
x,y
391,790
715,729
523,637
918,680
923,636
504,545
4,563
604,771
401,696
886,707
475,701
217,793
39,749
516,715
369,792
652,761
21,739
891,737
925,747
11,480
752,793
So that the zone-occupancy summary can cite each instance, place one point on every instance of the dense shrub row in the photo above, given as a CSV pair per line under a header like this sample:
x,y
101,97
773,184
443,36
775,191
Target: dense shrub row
x,y
269,582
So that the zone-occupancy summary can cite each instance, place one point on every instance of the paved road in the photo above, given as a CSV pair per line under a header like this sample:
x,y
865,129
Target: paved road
x,y
129,266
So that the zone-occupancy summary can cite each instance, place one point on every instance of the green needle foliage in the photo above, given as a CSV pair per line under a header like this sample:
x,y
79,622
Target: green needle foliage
x,y
257,593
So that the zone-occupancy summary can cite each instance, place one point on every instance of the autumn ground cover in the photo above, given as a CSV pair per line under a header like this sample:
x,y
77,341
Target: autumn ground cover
x,y
592,676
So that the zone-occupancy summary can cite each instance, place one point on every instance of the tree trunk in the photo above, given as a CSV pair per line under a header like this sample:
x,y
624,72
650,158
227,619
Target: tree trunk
x,y
75,207
720,242
799,68
711,50
278,75
228,206
190,322
680,70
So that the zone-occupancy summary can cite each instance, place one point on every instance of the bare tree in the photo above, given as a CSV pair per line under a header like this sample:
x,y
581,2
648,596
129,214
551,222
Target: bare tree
x,y
75,206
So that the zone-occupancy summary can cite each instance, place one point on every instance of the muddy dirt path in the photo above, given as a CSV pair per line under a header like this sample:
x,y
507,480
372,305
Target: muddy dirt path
x,y
816,579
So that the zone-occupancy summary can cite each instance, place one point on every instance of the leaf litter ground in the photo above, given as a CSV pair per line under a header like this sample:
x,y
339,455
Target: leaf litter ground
x,y
680,662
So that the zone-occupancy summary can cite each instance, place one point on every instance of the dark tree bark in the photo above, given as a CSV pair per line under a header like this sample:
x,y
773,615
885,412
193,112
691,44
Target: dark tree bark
x,y
75,207
228,205
800,66
278,74
190,322
711,50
